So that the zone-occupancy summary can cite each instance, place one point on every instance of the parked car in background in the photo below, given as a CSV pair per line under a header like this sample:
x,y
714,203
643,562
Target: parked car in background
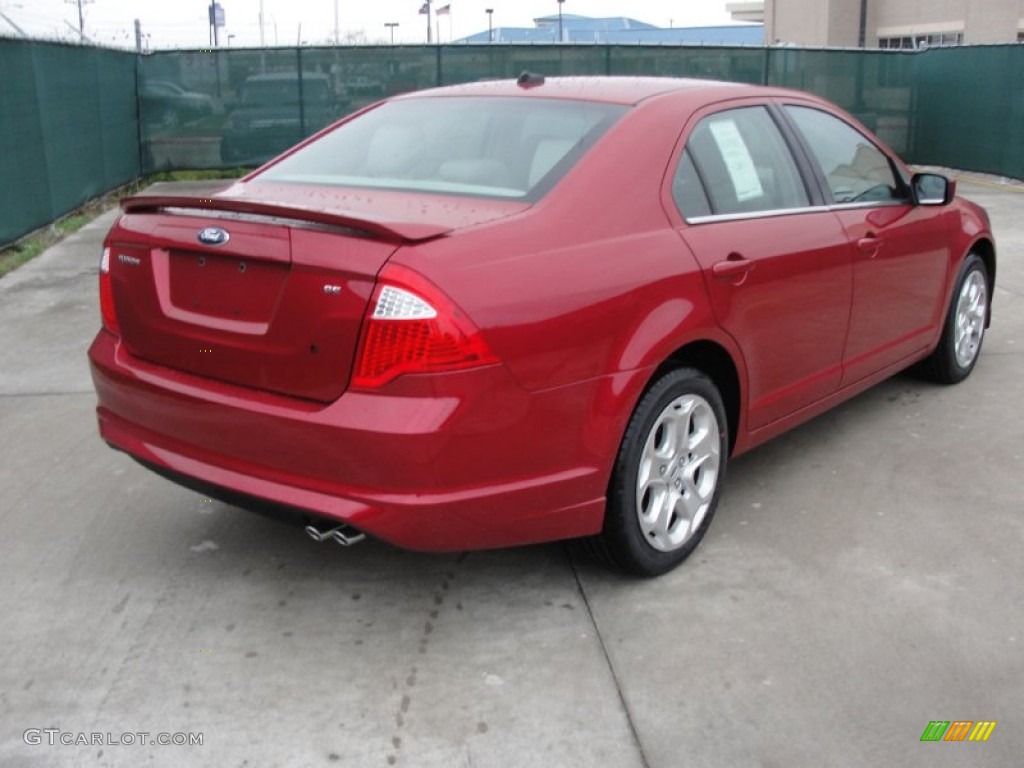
x,y
511,312
274,112
167,104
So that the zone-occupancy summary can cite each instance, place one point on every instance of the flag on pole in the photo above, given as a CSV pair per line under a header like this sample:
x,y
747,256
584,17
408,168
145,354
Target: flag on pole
x,y
425,8
444,10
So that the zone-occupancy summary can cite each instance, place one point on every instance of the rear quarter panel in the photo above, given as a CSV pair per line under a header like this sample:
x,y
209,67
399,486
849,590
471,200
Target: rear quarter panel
x,y
590,282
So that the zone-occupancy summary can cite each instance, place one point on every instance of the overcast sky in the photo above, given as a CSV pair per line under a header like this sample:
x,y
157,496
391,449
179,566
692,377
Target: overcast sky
x,y
183,23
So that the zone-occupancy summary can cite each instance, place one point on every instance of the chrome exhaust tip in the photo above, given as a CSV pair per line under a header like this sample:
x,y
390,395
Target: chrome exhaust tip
x,y
322,535
347,537
342,534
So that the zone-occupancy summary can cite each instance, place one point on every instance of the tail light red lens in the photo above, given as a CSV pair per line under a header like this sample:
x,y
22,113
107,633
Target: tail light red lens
x,y
107,312
411,327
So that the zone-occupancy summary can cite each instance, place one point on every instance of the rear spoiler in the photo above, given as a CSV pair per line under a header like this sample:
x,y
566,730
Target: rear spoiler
x,y
394,231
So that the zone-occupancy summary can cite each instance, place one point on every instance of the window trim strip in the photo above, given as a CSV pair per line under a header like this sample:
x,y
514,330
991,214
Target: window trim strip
x,y
718,217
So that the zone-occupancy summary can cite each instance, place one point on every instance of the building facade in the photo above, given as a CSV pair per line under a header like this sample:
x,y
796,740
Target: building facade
x,y
885,23
618,30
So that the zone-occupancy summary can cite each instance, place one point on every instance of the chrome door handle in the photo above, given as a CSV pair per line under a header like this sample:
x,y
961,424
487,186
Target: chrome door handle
x,y
869,245
733,268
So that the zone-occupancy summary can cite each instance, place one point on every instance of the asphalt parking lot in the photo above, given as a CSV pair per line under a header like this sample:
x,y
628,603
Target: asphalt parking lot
x,y
863,577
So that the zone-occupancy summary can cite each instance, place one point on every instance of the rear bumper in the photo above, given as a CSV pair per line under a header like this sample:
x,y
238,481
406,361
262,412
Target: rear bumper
x,y
467,460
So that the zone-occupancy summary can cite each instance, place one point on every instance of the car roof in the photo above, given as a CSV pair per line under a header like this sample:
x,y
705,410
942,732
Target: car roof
x,y
614,90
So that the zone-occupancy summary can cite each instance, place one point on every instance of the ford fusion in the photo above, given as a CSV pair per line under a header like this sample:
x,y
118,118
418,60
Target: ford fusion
x,y
513,312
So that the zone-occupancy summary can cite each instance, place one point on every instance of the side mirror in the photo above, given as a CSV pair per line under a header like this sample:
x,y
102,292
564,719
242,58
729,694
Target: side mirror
x,y
933,189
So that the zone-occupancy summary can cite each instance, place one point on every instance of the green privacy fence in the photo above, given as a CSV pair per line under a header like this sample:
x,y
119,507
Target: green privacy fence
x,y
970,109
209,110
77,121
68,130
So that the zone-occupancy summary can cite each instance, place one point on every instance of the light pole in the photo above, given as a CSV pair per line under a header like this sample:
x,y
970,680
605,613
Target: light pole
x,y
391,25
81,16
561,35
490,25
863,27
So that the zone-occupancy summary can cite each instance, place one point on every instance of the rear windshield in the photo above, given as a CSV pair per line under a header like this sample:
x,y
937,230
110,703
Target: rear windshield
x,y
514,148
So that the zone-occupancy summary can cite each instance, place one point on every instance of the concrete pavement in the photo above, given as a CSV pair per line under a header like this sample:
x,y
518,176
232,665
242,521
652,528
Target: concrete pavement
x,y
862,578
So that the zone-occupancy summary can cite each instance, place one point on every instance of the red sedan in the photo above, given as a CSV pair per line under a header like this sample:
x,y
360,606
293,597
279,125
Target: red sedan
x,y
513,312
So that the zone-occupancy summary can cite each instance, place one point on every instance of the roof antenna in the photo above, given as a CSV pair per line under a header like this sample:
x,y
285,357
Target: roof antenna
x,y
529,80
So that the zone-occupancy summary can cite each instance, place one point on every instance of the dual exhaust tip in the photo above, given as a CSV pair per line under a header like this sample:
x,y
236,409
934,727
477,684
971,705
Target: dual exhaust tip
x,y
341,534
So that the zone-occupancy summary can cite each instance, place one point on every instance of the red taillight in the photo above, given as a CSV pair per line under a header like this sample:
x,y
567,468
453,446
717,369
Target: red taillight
x,y
411,327
107,312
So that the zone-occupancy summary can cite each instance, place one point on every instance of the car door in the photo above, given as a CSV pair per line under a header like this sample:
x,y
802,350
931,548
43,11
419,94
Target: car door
x,y
901,251
776,263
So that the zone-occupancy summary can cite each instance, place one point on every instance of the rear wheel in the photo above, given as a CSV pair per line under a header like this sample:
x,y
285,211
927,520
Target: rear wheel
x,y
667,477
964,329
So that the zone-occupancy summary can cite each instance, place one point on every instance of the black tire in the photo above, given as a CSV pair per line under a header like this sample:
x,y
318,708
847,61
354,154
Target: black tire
x,y
945,365
629,541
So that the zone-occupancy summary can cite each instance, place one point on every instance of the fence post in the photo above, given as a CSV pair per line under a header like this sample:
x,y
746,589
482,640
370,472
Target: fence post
x,y
141,154
302,95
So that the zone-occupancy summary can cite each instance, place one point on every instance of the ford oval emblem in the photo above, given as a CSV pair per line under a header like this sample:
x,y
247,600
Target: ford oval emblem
x,y
214,236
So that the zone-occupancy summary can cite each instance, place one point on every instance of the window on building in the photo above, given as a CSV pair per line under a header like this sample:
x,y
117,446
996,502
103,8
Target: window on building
x,y
917,42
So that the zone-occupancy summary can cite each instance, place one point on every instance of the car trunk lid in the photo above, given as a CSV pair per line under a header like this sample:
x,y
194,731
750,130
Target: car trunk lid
x,y
277,301
277,307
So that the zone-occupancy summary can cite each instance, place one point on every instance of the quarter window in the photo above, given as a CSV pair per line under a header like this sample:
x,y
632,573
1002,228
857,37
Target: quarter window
x,y
688,191
856,170
744,164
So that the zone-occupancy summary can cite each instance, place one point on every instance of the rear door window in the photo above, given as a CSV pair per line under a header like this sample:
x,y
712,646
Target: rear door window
x,y
743,163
